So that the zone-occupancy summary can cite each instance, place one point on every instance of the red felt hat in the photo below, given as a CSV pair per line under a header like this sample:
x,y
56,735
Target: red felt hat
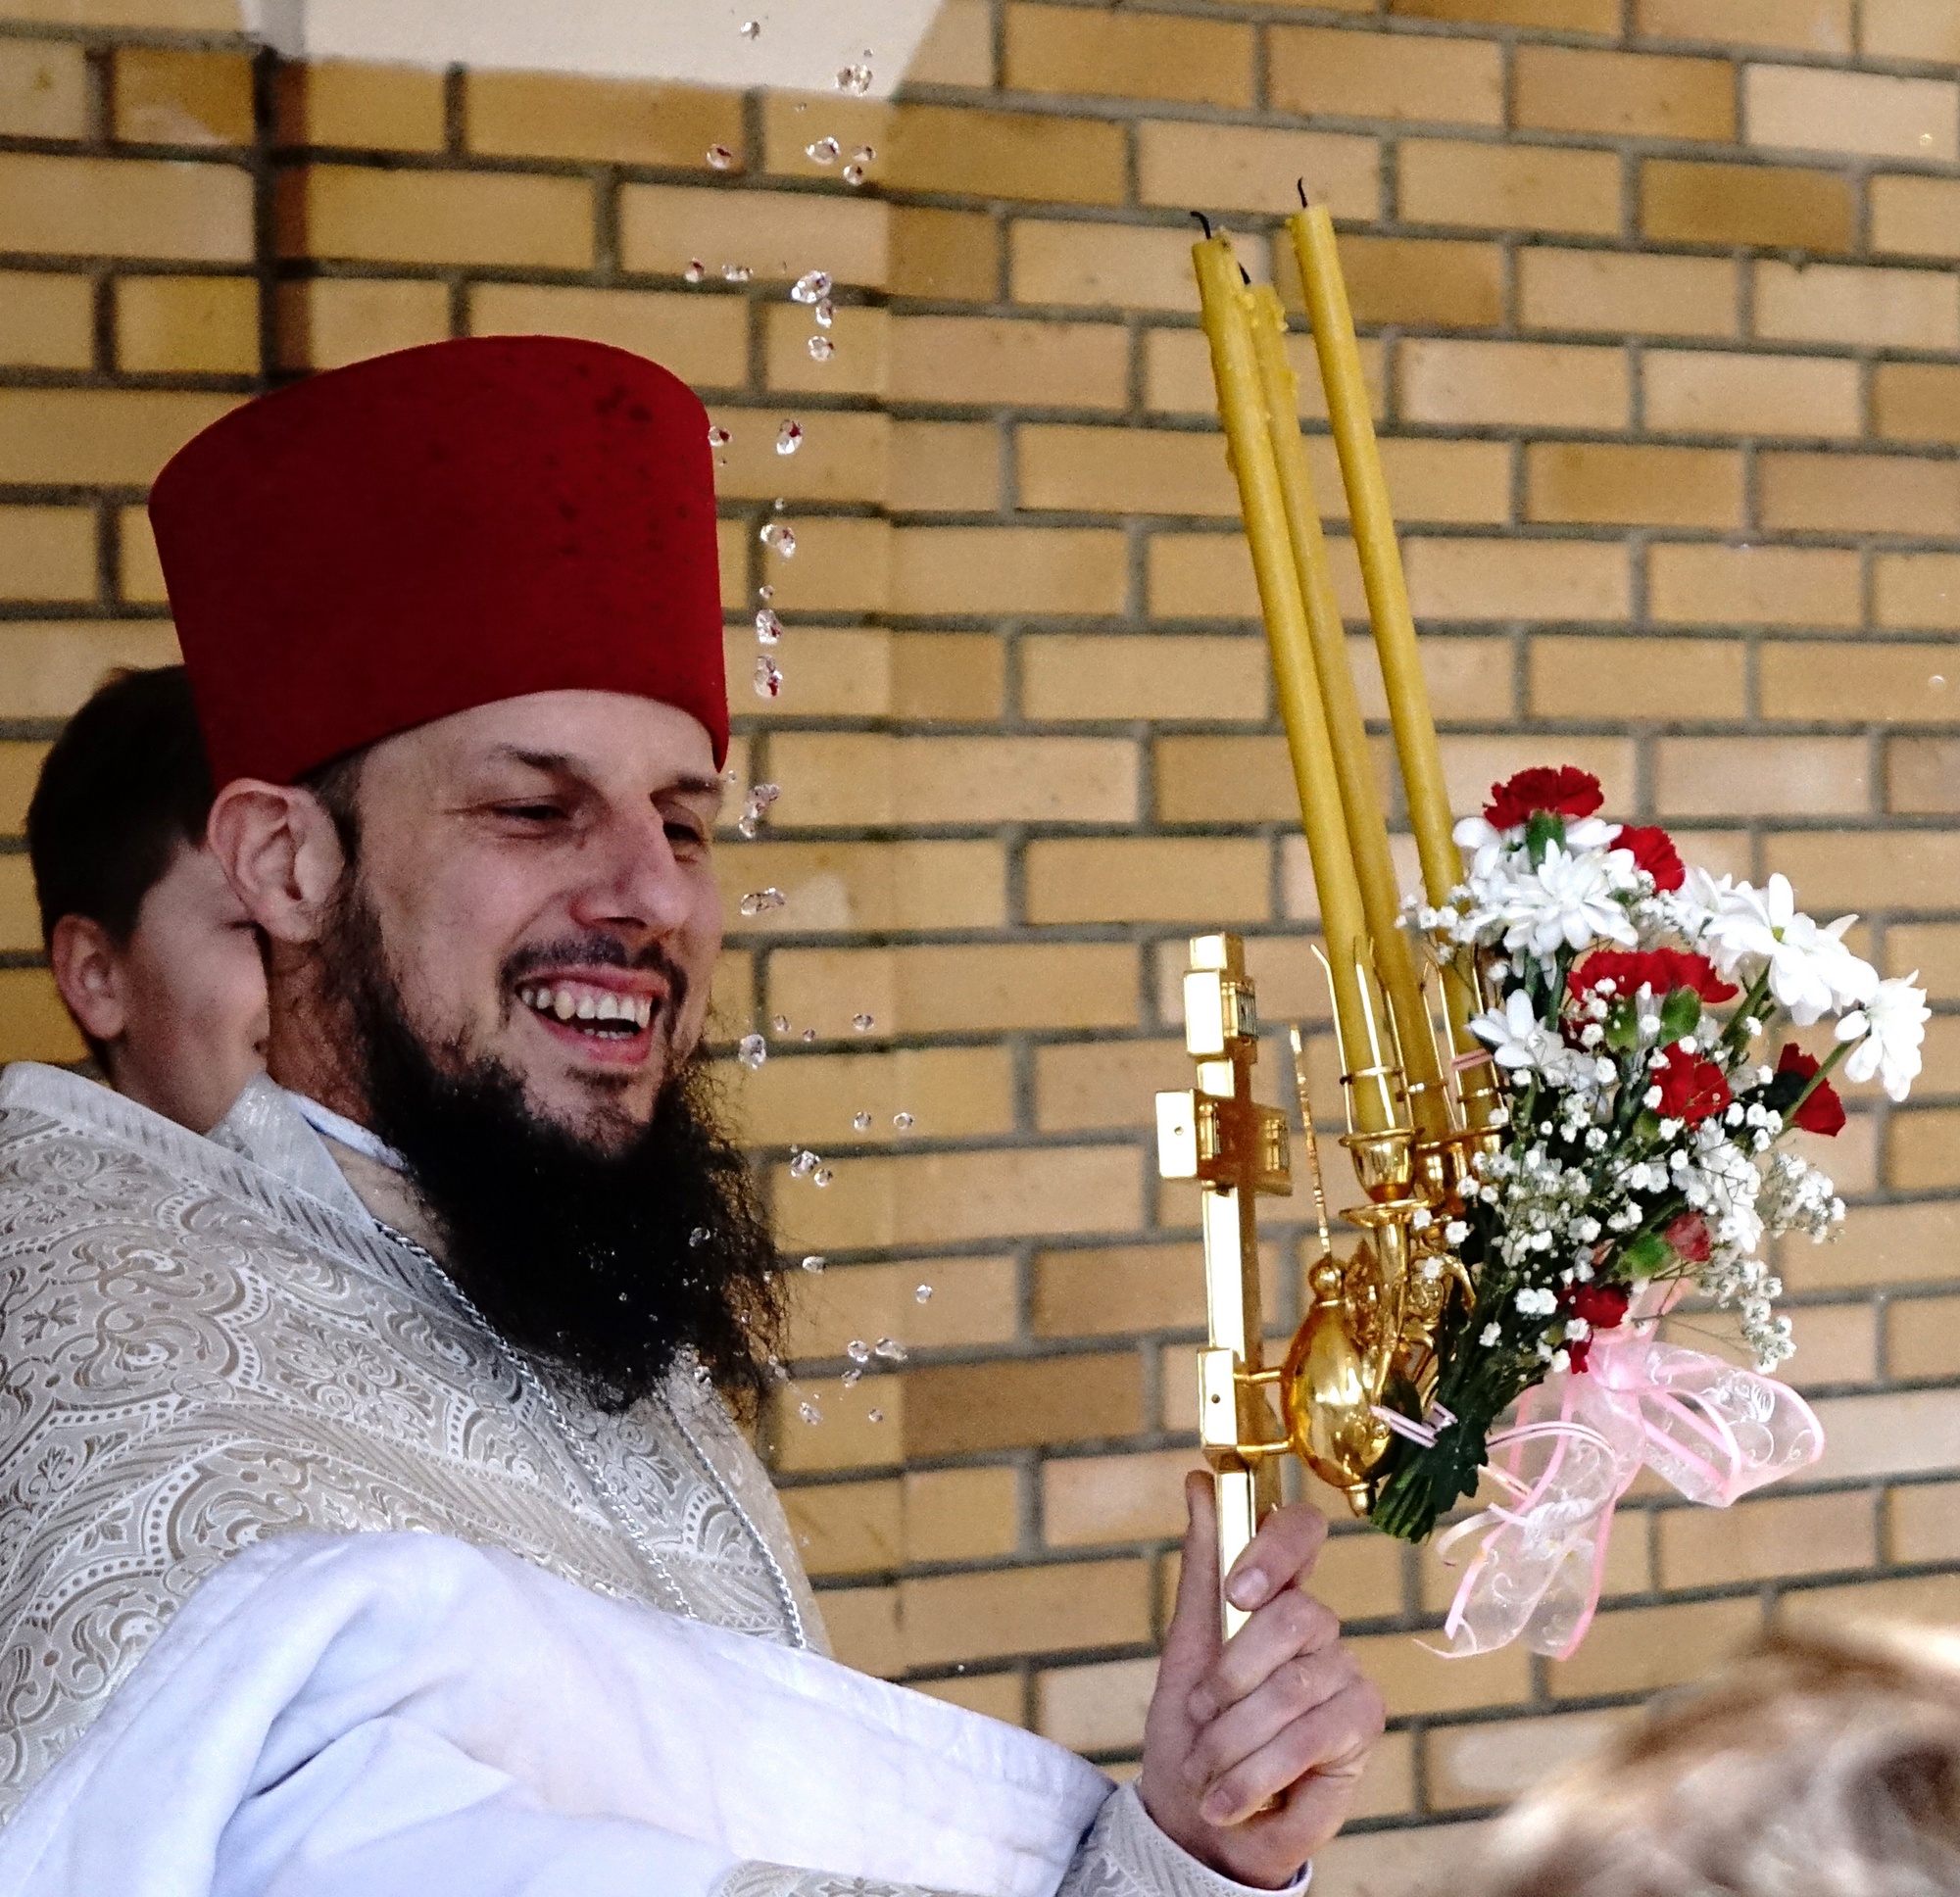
x,y
436,529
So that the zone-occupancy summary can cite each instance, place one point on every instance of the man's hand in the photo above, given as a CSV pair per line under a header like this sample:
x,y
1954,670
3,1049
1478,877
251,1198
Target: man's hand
x,y
1278,1717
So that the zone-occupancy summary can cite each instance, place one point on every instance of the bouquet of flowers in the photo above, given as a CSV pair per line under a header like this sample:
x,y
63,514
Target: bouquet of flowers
x,y
1637,1010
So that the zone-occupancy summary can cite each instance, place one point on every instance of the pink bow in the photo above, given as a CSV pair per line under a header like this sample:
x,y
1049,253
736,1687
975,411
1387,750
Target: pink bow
x,y
1711,1428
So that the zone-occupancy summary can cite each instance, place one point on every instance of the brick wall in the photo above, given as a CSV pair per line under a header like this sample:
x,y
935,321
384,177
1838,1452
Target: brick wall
x,y
1659,299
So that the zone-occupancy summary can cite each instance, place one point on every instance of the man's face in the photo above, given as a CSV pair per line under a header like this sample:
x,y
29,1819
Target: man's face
x,y
192,991
539,872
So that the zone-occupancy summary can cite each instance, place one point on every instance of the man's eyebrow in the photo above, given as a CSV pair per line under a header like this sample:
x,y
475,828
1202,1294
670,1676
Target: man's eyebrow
x,y
689,784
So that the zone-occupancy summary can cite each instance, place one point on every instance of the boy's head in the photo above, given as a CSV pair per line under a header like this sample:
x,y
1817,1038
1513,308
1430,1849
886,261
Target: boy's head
x,y
152,952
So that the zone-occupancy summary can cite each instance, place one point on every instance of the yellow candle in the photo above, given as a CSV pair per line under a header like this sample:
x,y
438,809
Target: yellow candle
x,y
1348,735
1374,527
1241,405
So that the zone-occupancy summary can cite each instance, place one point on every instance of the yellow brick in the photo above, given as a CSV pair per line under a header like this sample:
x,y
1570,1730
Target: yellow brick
x,y
958,990
846,886
1835,1344
328,322
1700,777
863,1623
33,1024
1008,570
1463,481
1244,167
857,367
165,97
1933,949
1926,1599
951,254
139,573
1127,1288
1916,29
1638,1649
20,916
1884,1244
839,1432
1859,493
1709,392
958,48
953,677
48,669
860,778
553,115
704,340
1114,265
1371,75
1471,766
1177,372
122,207
937,466
355,212
1916,216
1445,181
1752,585
46,322
1841,870
176,15
816,1099
118,437
1096,1708
1843,303
1923,775
1892,1434
1924,1517
789,131
1602,290
958,1198
1488,579
352,104
1148,56
1075,1605
1916,401
1921,1337
964,1409
840,566
44,89
1773,207
1667,487
1660,678
1804,25
1124,470
961,1514
1165,879
47,552
776,235
1021,364
939,1515
840,673
1169,677
1564,89
1562,16
1816,110
1415,1681
993,1695
201,324
847,1528
1919,590
1448,282
1006,155
1922,1150
842,456
20,771
1491,1762
1542,385
972,1302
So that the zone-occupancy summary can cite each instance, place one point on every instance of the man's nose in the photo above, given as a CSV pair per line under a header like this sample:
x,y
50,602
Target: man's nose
x,y
634,879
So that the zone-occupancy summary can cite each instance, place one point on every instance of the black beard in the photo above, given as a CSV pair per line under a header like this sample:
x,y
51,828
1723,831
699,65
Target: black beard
x,y
603,1265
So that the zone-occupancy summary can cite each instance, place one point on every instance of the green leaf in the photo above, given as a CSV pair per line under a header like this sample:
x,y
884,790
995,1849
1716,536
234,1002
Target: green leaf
x,y
1545,828
1648,1254
1679,1014
1623,1027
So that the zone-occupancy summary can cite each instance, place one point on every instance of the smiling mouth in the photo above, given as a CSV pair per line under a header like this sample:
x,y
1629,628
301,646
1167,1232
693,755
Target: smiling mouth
x,y
598,1011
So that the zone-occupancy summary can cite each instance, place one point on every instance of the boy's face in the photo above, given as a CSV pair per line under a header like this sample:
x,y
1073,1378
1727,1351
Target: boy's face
x,y
181,1004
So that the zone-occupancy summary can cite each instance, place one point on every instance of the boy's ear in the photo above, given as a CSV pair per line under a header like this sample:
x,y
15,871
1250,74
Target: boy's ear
x,y
87,969
281,855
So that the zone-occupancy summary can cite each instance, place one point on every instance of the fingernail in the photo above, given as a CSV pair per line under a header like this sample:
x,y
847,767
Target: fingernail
x,y
1220,1808
1249,1589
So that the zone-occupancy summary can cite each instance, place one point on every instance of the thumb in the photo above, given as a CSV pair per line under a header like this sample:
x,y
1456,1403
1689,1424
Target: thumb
x,y
1195,1635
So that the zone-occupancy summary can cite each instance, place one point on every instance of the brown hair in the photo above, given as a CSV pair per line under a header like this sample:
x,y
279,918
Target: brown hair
x,y
1814,1765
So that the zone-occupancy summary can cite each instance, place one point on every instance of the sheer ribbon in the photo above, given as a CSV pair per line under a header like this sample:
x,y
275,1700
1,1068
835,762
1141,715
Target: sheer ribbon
x,y
1713,1429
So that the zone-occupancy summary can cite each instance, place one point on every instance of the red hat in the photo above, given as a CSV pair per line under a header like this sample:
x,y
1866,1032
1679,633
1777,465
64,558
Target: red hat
x,y
437,529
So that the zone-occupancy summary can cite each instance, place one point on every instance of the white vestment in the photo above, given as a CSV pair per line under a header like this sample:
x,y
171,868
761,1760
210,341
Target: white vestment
x,y
226,1393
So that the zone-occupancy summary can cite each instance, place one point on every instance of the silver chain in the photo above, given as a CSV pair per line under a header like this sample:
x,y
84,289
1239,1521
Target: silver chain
x,y
621,1511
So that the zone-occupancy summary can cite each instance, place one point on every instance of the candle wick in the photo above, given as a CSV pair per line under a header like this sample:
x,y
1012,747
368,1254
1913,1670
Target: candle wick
x,y
1204,223
1300,185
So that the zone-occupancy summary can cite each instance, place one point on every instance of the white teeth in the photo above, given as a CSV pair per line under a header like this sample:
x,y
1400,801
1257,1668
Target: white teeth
x,y
604,1007
588,1008
563,1005
609,1008
643,1010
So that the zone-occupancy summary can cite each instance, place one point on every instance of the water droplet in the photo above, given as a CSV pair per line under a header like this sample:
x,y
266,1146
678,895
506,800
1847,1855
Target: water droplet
x,y
736,273
857,1350
760,901
696,271
753,1051
862,1121
803,1163
815,1262
923,1295
781,1023
812,286
851,1378
854,78
823,152
719,437
699,1237
768,628
863,1023
854,175
808,1035
768,678
761,798
809,1412
751,29
789,438
822,349
903,1121
778,504
825,312
891,1349
863,155
820,1178
778,538
874,1416
720,157
765,594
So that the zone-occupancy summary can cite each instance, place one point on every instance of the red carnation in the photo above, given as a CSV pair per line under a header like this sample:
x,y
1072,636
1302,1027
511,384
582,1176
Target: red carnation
x,y
1661,970
1566,791
1601,1306
1653,851
1822,1111
1691,1239
1691,1088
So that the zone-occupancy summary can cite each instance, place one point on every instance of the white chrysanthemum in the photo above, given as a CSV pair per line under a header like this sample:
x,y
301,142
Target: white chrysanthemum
x,y
1889,1029
1567,902
1518,1040
1811,972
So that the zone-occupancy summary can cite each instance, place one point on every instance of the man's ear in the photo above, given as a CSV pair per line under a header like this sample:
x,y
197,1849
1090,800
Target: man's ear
x,y
89,972
280,852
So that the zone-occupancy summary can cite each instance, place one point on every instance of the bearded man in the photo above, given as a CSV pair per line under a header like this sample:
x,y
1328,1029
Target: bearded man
x,y
372,1518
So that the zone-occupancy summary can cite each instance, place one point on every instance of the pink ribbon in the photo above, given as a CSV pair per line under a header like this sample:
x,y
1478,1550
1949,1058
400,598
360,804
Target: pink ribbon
x,y
1713,1429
